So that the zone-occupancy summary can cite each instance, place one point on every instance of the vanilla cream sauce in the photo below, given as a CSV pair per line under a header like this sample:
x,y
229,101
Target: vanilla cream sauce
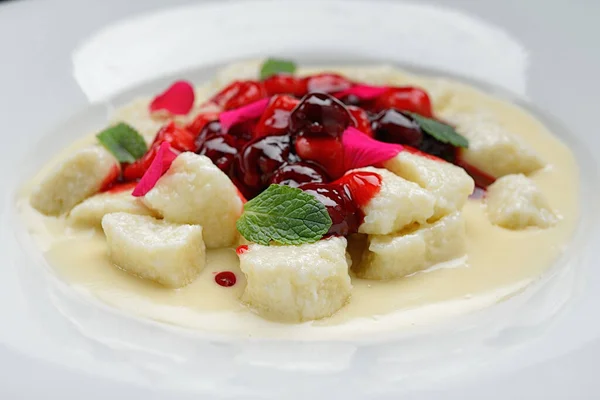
x,y
499,262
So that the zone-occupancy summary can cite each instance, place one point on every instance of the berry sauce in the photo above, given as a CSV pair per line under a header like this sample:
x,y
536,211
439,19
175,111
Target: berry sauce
x,y
345,198
297,141
225,279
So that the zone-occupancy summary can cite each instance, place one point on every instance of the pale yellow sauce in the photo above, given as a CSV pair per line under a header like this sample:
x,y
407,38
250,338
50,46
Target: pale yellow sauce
x,y
499,262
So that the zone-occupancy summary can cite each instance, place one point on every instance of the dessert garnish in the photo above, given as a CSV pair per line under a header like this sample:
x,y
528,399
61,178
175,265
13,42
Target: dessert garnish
x,y
124,142
242,114
361,151
160,164
274,66
284,215
178,99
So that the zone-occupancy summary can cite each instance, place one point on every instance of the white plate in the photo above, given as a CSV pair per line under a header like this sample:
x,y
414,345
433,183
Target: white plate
x,y
60,55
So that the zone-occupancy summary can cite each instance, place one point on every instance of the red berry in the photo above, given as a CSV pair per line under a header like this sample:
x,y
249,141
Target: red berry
x,y
327,152
238,94
285,84
320,114
195,127
298,173
212,127
276,118
178,137
257,162
221,149
405,99
327,83
361,118
392,126
345,198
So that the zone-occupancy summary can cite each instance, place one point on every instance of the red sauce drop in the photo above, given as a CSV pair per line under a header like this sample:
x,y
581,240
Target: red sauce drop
x,y
225,279
241,249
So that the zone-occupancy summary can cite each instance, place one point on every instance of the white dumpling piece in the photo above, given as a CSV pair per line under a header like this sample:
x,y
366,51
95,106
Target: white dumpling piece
x,y
449,184
79,176
395,256
170,254
492,148
398,204
297,283
194,191
91,210
515,202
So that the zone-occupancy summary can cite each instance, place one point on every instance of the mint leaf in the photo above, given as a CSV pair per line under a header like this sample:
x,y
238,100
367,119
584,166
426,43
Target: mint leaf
x,y
274,66
285,215
442,132
124,142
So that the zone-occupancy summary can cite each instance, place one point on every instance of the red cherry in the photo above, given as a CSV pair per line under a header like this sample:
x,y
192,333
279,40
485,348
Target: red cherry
x,y
393,126
257,162
327,83
276,118
178,137
249,92
345,198
320,114
195,127
238,94
298,173
221,149
327,152
285,84
405,99
361,118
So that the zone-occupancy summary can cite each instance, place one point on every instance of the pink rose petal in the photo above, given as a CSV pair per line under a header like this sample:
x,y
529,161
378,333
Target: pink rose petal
x,y
161,163
363,92
242,114
177,99
361,151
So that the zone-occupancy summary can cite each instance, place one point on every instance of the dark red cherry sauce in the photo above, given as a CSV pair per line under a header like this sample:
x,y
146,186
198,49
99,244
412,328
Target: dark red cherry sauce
x,y
297,141
345,198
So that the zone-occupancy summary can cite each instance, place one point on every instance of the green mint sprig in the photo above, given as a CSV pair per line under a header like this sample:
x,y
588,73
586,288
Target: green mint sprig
x,y
273,66
442,132
285,215
124,142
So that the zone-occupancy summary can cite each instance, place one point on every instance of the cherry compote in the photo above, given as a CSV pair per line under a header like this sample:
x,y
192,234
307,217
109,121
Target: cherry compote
x,y
344,199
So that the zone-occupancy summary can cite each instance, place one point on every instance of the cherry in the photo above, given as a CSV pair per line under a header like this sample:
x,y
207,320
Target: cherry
x,y
346,217
285,84
258,160
327,83
196,126
276,118
296,174
327,152
320,114
208,129
345,198
179,138
221,149
361,119
393,126
431,145
238,94
405,99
